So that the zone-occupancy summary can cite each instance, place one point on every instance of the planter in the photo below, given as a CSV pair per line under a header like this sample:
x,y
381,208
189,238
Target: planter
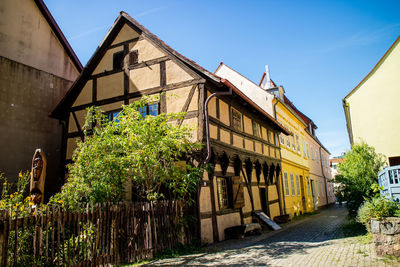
x,y
386,233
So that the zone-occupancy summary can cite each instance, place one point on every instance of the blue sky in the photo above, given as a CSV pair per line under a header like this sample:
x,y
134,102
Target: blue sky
x,y
318,50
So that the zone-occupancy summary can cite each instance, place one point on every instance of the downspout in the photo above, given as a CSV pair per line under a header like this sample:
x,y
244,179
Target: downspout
x,y
322,169
282,188
207,159
208,121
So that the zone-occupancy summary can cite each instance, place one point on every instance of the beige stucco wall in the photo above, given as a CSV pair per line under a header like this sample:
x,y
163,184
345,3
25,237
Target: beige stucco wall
x,y
26,37
140,79
374,107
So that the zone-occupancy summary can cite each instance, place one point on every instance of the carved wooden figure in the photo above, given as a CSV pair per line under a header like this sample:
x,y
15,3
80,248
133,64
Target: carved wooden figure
x,y
38,176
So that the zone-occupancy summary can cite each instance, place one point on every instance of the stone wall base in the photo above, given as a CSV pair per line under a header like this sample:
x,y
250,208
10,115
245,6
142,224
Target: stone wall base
x,y
386,235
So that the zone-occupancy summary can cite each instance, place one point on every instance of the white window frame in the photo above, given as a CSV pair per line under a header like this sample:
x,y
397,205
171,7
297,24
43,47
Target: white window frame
x,y
292,185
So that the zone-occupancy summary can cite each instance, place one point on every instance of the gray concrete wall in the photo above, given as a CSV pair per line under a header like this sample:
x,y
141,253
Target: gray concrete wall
x,y
27,95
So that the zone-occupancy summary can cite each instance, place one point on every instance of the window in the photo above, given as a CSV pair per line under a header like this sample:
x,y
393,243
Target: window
x,y
151,109
236,120
308,186
293,144
256,129
298,143
304,148
288,141
111,115
118,60
282,139
292,184
133,57
222,189
298,185
286,184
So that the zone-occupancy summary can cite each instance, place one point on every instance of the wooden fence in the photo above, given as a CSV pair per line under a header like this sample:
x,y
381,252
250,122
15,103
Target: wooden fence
x,y
91,235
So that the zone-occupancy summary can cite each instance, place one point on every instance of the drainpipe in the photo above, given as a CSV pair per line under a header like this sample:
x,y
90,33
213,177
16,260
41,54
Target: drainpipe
x,y
322,169
207,159
281,187
208,121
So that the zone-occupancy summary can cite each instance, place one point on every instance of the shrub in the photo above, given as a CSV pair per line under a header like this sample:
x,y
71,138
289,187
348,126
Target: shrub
x,y
358,172
149,153
378,207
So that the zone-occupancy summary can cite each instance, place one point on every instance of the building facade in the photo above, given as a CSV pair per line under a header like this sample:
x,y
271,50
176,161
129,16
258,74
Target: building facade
x,y
371,107
37,67
132,62
305,161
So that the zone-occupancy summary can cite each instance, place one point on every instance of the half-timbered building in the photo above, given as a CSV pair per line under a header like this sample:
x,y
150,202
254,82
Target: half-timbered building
x,y
240,136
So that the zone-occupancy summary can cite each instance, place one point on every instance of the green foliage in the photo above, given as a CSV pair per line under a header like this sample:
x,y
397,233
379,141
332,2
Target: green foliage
x,y
358,173
15,196
145,152
377,207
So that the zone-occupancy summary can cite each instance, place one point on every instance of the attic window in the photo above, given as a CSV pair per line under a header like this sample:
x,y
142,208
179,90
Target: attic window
x,y
133,57
118,60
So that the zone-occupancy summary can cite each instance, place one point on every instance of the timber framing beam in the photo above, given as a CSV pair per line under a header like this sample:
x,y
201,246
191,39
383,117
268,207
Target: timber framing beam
x,y
150,91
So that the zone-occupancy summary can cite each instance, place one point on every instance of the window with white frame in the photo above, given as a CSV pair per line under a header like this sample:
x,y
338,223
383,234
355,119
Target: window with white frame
x,y
308,186
304,148
292,184
281,138
298,185
286,181
293,143
298,143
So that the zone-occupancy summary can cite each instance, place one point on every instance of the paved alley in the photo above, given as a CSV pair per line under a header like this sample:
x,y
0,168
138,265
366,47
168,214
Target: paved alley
x,y
313,241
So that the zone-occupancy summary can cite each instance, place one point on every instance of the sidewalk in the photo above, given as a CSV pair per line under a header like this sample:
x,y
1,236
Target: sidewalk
x,y
316,240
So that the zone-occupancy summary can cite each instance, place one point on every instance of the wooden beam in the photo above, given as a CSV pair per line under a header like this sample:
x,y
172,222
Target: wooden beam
x,y
187,102
150,91
201,106
127,42
148,63
163,82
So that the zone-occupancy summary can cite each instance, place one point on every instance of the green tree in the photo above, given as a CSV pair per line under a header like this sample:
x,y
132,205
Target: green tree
x,y
358,172
145,153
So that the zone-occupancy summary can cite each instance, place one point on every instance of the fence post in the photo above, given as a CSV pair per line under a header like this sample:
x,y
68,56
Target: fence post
x,y
4,235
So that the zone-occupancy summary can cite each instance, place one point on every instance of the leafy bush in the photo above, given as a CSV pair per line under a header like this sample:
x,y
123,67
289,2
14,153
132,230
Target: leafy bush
x,y
378,208
131,151
358,172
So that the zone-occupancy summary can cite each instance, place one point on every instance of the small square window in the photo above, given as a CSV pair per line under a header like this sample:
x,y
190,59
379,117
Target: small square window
x,y
256,129
118,60
112,115
133,57
236,120
222,189
151,109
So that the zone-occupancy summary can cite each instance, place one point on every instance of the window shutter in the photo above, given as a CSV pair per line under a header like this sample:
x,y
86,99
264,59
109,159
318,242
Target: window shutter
x,y
238,193
133,57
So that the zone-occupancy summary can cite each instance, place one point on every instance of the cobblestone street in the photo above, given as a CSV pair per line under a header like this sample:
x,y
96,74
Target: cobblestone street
x,y
313,241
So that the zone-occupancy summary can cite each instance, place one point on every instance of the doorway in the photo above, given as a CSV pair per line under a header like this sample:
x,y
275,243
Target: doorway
x,y
303,195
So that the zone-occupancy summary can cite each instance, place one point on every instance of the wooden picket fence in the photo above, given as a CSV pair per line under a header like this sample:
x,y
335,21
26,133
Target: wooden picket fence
x,y
92,235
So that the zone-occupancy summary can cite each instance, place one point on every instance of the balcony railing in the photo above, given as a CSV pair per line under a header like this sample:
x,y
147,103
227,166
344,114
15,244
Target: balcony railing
x,y
389,179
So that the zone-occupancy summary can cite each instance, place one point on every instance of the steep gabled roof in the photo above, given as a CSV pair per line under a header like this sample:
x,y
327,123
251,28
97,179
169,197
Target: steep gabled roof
x,y
57,31
375,67
62,108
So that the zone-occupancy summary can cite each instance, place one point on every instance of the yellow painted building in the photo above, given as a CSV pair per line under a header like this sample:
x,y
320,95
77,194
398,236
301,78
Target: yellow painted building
x,y
295,170
371,108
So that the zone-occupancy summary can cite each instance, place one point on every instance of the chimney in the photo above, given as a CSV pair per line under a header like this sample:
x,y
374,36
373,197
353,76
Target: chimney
x,y
266,82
